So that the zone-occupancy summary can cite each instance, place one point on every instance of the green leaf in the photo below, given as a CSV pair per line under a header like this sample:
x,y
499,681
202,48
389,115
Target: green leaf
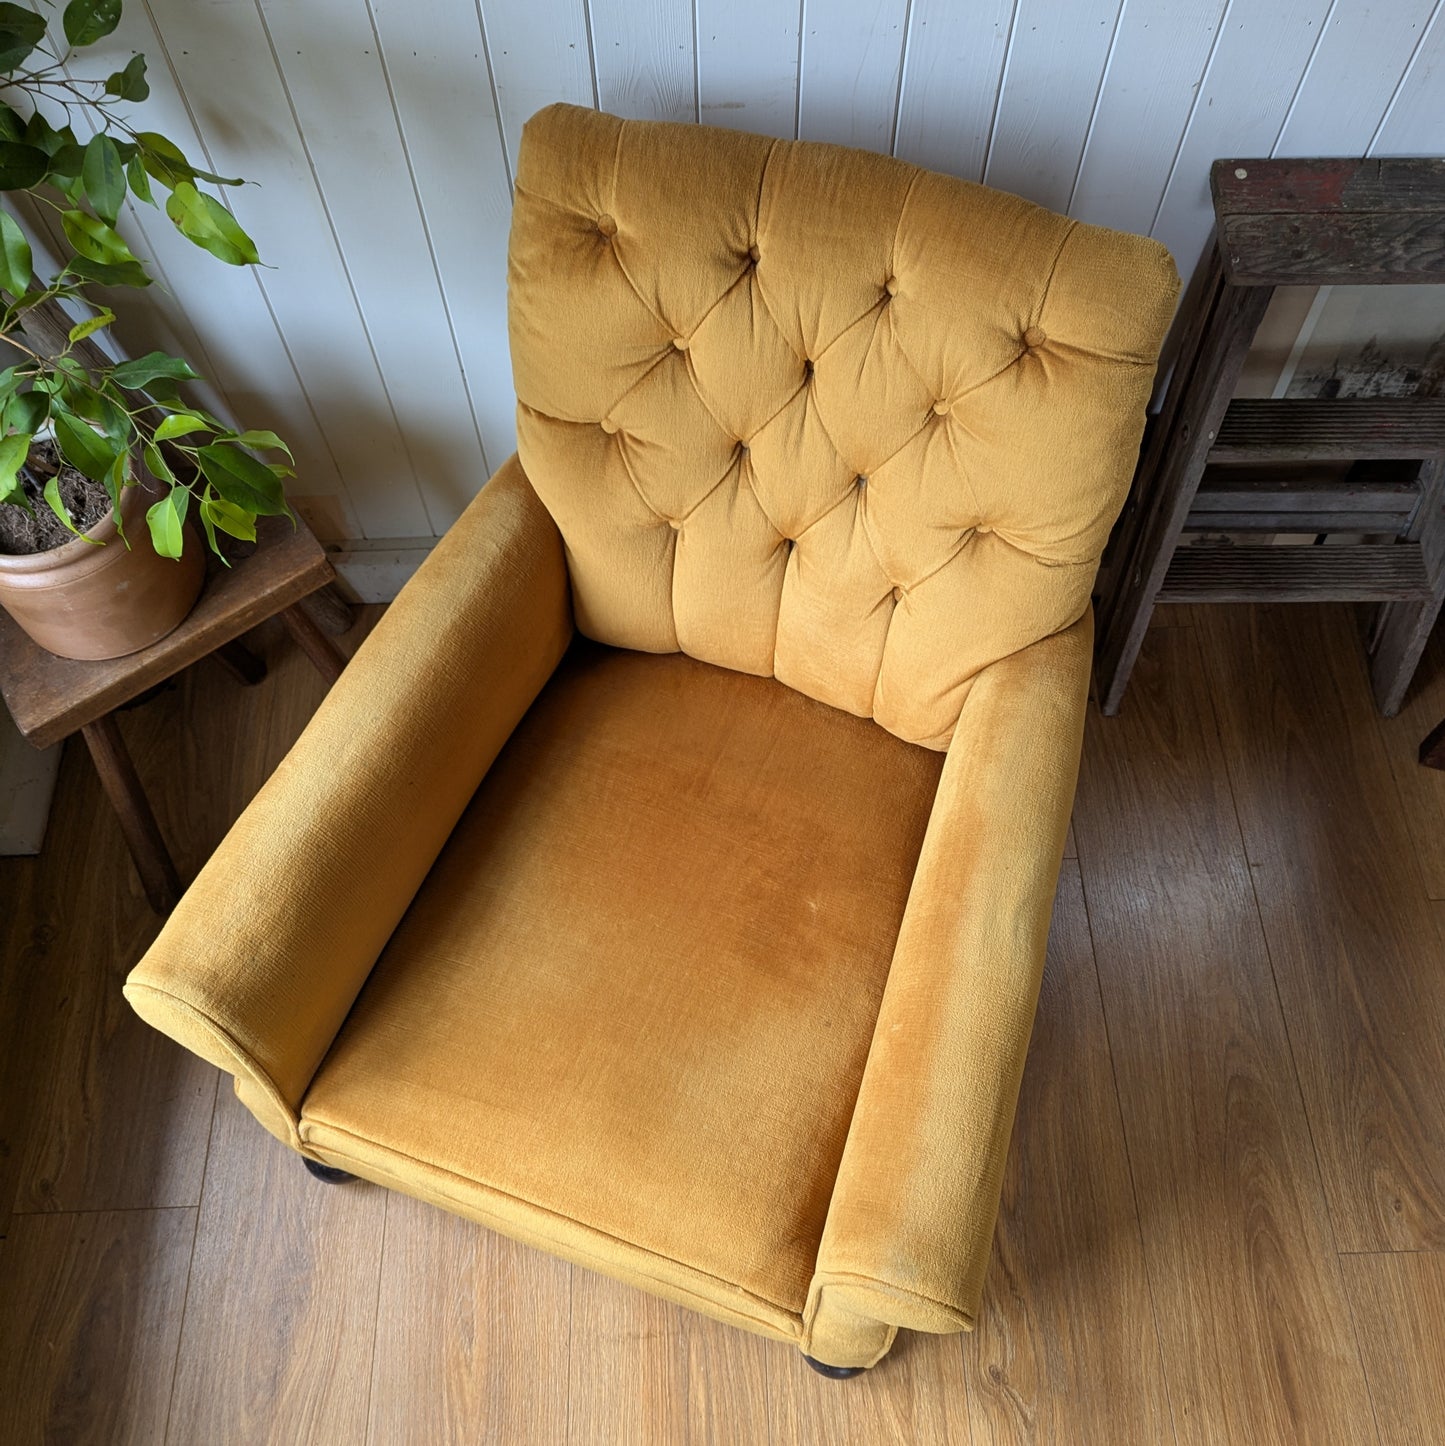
x,y
87,21
181,424
94,240
21,30
134,375
103,174
202,219
125,273
21,166
166,164
115,481
156,463
83,447
98,322
263,439
12,128
241,479
165,519
236,521
140,183
13,452
85,401
15,260
67,163
26,411
130,83
57,506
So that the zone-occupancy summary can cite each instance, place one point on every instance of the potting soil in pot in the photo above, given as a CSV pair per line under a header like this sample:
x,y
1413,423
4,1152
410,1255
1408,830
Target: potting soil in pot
x,y
20,533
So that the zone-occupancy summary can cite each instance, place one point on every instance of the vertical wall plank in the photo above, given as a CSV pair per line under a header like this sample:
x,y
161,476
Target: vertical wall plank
x,y
1354,73
747,65
1050,86
950,84
1415,124
223,62
645,59
1159,57
327,55
852,56
436,66
541,51
1242,103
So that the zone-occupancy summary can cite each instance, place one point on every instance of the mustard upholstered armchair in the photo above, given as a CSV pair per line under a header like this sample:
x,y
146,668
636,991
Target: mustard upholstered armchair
x,y
665,883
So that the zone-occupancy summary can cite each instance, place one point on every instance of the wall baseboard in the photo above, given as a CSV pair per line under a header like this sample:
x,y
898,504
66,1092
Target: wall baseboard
x,y
373,571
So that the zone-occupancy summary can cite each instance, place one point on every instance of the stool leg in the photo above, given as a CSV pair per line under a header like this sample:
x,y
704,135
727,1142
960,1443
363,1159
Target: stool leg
x,y
327,657
112,760
329,609
240,662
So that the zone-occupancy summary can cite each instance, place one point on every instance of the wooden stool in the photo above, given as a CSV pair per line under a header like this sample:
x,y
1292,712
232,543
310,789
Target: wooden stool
x,y
1299,223
51,698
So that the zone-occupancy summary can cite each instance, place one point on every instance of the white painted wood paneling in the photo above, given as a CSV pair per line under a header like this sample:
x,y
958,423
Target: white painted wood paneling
x,y
540,51
1160,53
383,135
1414,125
1051,84
225,64
1353,75
1254,73
747,65
852,60
951,83
436,68
645,56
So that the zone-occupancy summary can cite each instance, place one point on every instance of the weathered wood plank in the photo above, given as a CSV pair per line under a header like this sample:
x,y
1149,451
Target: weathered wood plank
x,y
1324,248
1300,185
1352,572
1170,475
1351,428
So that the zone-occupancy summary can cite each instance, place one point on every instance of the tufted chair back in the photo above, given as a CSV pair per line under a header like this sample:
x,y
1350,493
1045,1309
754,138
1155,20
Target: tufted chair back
x,y
817,414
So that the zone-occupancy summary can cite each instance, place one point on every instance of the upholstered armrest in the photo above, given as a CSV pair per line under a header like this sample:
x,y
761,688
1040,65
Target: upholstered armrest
x,y
910,1226
260,962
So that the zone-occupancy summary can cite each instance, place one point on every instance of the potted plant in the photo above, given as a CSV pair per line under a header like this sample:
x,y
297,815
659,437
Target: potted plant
x,y
102,463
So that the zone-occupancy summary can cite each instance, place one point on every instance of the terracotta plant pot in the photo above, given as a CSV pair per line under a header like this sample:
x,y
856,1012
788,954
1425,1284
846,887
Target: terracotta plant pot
x,y
83,601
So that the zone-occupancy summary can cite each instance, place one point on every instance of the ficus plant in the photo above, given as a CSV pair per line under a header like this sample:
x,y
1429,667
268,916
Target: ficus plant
x,y
109,421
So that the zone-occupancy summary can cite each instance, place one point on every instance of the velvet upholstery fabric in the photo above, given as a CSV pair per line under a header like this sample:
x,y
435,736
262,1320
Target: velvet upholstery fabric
x,y
638,946
550,1026
836,420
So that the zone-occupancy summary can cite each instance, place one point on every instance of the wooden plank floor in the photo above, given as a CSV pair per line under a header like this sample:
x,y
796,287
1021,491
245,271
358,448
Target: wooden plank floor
x,y
1223,1218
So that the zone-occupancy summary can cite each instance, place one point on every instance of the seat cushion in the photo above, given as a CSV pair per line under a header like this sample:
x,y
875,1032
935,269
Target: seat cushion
x,y
627,1014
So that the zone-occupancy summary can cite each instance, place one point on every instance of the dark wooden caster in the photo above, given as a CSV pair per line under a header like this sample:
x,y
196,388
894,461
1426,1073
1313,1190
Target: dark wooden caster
x,y
833,1373
328,1173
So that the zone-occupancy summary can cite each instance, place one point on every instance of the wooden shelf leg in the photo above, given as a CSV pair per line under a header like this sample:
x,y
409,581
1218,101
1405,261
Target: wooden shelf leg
x,y
1215,344
329,610
328,659
153,863
241,663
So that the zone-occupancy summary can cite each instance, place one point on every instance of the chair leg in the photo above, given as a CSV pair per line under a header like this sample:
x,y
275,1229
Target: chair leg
x,y
835,1373
329,1173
